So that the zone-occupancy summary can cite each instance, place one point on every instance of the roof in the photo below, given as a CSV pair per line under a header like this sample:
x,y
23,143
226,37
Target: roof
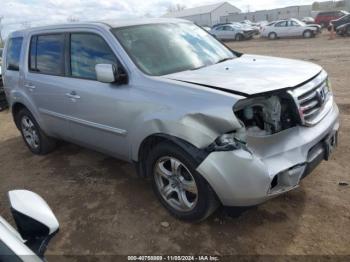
x,y
103,23
205,9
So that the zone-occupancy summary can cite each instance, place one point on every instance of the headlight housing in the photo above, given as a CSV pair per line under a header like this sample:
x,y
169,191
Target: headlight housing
x,y
228,142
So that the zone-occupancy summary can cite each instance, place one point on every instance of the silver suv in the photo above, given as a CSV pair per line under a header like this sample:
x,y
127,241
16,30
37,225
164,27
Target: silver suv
x,y
207,124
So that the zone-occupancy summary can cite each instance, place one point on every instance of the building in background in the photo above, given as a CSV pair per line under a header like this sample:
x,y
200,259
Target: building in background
x,y
288,12
207,15
271,15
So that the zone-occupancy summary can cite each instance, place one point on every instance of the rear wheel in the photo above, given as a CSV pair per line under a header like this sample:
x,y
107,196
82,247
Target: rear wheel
x,y
35,139
307,34
272,36
182,191
239,37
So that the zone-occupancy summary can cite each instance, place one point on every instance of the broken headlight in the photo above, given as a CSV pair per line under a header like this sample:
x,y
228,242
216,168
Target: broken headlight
x,y
227,142
263,116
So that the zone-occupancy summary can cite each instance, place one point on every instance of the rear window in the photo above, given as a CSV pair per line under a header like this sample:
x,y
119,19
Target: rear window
x,y
14,53
47,54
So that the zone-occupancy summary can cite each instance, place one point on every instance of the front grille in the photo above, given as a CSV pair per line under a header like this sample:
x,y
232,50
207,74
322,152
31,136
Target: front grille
x,y
311,99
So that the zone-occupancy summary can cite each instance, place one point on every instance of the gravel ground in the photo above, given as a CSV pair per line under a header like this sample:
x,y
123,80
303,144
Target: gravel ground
x,y
104,208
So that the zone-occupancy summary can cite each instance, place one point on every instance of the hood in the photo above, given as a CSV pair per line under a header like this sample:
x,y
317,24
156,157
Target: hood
x,y
251,74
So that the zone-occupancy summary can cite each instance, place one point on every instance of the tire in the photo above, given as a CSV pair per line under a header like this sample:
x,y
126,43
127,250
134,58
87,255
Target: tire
x,y
35,139
272,36
307,34
239,37
347,31
181,190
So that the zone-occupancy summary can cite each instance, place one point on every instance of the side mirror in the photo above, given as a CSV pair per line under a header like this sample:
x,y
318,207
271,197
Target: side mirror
x,y
106,73
34,219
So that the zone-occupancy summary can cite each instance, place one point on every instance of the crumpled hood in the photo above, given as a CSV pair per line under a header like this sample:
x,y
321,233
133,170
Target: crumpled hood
x,y
251,74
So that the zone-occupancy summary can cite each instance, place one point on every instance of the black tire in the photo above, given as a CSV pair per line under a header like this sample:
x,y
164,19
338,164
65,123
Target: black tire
x,y
347,31
272,36
308,34
207,201
44,143
239,37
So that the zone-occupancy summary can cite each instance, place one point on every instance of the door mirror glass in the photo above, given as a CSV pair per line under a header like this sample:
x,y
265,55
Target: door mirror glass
x,y
106,73
34,219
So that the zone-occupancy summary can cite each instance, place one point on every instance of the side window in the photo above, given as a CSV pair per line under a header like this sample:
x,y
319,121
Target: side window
x,y
87,50
281,24
47,54
14,53
227,28
220,28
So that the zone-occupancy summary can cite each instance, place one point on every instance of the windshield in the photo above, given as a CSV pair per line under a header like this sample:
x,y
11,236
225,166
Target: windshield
x,y
160,49
301,23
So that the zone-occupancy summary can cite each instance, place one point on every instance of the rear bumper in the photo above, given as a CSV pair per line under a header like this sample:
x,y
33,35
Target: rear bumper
x,y
276,165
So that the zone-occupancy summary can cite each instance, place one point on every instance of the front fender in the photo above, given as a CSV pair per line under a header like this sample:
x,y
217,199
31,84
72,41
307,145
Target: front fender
x,y
198,129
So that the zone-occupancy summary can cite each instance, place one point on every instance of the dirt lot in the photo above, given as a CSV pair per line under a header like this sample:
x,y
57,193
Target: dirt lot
x,y
103,208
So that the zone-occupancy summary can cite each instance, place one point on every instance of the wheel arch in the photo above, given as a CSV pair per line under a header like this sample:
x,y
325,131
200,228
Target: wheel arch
x,y
15,109
153,140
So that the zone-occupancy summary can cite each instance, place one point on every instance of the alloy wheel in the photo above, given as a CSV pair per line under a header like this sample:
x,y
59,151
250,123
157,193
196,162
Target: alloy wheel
x,y
29,132
176,184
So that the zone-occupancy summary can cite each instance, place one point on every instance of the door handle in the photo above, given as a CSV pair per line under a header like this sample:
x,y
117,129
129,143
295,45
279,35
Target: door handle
x,y
73,95
30,86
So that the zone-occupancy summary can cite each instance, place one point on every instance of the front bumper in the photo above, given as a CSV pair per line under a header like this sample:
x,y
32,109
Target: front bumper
x,y
276,165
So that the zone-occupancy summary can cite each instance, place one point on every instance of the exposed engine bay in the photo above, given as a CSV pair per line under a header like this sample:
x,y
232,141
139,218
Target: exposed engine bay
x,y
262,116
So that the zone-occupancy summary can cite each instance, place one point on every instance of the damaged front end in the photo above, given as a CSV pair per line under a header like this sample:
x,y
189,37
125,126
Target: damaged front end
x,y
284,135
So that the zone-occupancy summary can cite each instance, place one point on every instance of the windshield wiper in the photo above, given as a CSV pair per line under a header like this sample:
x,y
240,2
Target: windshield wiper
x,y
224,59
199,67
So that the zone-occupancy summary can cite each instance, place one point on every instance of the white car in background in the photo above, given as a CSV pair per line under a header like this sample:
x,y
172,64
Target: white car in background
x,y
288,28
36,224
233,31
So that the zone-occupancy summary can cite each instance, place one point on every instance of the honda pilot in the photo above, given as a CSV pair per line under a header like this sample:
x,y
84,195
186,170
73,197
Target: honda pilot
x,y
210,126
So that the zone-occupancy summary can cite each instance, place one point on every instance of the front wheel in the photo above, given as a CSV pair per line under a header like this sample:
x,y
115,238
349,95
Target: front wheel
x,y
239,37
307,34
348,31
181,190
272,36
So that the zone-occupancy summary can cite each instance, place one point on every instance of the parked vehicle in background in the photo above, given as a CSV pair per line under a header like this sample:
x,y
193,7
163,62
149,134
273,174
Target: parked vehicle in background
x,y
324,18
308,20
261,24
208,125
249,24
288,28
344,30
36,225
233,31
3,102
316,26
339,22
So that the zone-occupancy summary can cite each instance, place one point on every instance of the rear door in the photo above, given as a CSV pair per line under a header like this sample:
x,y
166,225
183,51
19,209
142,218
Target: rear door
x,y
45,81
97,111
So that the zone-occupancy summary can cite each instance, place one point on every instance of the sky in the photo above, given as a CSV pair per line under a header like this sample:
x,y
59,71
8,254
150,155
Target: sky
x,y
24,13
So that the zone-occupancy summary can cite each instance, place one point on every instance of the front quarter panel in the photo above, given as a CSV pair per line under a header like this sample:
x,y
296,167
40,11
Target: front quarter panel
x,y
195,114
